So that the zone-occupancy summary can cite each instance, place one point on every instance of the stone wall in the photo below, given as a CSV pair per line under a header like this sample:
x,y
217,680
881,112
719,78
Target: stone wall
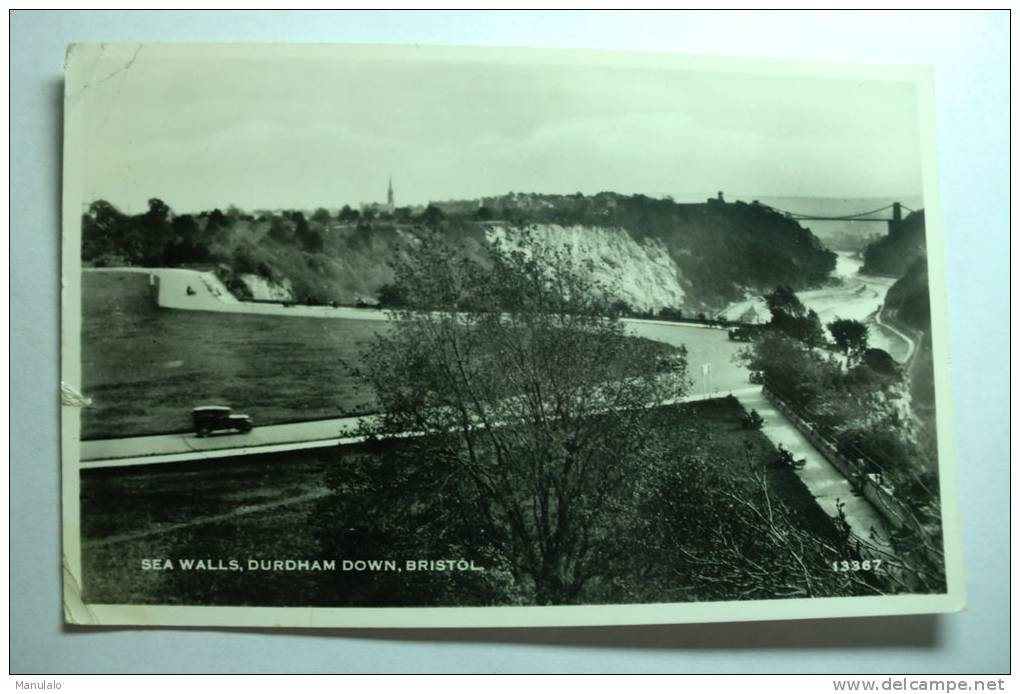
x,y
870,486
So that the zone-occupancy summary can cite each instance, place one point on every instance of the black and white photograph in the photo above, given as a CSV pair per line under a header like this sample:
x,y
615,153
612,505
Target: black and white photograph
x,y
551,337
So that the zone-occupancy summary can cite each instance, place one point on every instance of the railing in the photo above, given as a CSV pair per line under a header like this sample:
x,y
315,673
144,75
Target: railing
x,y
870,485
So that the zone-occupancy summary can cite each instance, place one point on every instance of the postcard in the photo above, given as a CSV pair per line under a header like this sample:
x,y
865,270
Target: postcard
x,y
412,336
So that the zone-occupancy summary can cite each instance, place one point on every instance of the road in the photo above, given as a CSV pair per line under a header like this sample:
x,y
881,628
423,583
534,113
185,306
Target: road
x,y
175,448
858,297
910,341
827,484
710,353
208,293
713,370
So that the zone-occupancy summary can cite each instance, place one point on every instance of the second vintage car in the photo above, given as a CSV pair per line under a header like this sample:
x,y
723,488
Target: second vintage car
x,y
210,419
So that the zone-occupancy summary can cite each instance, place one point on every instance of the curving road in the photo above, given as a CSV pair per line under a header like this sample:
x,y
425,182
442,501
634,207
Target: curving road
x,y
858,297
176,448
714,373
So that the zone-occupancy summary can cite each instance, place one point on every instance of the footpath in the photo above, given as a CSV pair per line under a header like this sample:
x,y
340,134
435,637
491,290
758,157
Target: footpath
x,y
827,484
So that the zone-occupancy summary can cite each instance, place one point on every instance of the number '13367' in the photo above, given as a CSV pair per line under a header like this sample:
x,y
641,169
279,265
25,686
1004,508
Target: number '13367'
x,y
854,565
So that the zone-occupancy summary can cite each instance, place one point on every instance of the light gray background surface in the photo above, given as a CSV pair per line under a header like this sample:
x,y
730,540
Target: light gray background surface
x,y
970,52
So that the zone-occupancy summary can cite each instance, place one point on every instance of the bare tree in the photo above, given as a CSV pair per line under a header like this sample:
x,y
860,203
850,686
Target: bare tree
x,y
710,536
528,400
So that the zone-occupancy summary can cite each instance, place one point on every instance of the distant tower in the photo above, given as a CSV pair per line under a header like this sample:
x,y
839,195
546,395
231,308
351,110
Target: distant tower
x,y
897,217
389,194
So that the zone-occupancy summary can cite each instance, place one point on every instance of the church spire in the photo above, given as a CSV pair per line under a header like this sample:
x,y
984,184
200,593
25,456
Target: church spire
x,y
389,194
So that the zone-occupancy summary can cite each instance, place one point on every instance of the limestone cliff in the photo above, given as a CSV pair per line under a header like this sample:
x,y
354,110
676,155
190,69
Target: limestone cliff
x,y
641,273
261,289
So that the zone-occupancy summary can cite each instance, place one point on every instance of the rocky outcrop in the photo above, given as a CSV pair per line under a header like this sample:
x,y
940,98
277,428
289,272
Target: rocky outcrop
x,y
640,273
893,254
262,289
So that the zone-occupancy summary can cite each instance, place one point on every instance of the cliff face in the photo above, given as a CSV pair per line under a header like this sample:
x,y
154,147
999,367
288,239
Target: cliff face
x,y
909,303
909,298
723,250
893,254
261,289
642,274
654,253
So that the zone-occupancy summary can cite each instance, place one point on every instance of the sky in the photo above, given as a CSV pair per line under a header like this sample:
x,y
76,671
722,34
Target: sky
x,y
302,133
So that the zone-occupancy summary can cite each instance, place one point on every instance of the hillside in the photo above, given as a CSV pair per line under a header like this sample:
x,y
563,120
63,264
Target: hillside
x,y
892,254
723,250
642,274
656,253
908,303
841,235
908,299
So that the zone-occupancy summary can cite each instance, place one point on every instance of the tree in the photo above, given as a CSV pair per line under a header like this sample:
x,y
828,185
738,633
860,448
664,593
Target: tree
x,y
216,221
784,300
321,216
103,232
850,336
723,542
880,362
534,408
671,313
792,369
792,318
619,307
154,232
348,215
158,213
186,246
310,237
280,231
432,217
390,296
185,227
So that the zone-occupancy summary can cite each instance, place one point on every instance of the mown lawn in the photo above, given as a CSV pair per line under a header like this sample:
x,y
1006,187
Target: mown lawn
x,y
146,367
279,507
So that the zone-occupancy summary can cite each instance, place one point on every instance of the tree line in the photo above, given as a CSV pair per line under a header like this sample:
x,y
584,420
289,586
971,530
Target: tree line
x,y
859,402
546,450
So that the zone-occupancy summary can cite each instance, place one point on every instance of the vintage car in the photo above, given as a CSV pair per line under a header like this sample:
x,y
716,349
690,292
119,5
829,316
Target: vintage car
x,y
217,418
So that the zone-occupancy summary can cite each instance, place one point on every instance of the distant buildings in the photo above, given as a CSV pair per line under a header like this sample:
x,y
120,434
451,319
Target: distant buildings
x,y
389,206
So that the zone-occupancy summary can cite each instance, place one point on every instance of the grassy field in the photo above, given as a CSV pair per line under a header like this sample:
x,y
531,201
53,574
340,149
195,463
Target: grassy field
x,y
146,367
704,346
277,506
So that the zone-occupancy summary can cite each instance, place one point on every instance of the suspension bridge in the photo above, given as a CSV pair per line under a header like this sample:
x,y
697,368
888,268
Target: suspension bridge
x,y
894,209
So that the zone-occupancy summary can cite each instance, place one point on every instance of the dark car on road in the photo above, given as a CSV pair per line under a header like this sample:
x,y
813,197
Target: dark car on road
x,y
211,419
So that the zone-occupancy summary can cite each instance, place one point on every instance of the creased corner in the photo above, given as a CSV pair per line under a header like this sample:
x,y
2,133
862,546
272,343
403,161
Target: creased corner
x,y
75,609
69,52
72,397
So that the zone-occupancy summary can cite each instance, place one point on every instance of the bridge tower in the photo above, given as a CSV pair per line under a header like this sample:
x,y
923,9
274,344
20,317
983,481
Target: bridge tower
x,y
897,217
